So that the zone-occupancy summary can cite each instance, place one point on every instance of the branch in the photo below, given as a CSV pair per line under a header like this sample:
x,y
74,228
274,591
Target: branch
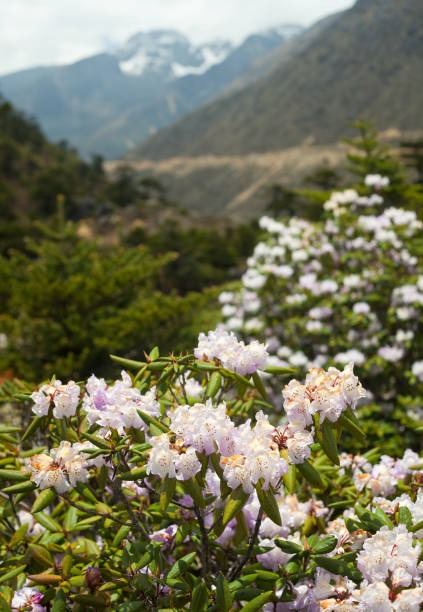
x,y
236,570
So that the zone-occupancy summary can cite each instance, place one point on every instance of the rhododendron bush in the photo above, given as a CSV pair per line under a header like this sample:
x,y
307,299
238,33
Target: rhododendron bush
x,y
349,288
182,485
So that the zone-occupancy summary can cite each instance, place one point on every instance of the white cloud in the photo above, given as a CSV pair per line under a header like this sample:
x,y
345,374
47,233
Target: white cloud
x,y
43,32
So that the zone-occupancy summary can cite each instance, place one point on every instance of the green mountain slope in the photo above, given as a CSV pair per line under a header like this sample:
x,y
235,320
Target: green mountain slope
x,y
368,62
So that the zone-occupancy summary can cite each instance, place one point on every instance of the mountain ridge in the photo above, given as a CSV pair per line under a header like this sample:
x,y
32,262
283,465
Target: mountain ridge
x,y
368,61
99,107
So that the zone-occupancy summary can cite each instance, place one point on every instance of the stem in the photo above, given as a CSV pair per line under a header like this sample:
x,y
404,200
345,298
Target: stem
x,y
184,393
236,570
205,552
117,490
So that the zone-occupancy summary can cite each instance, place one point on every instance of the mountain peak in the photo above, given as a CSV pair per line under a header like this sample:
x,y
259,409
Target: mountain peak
x,y
170,54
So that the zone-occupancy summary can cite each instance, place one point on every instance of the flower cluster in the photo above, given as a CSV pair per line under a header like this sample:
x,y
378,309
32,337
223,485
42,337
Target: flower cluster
x,y
63,398
116,406
231,353
186,483
247,453
326,393
28,598
348,289
61,469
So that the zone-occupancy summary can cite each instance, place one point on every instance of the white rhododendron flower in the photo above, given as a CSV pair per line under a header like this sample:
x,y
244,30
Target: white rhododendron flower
x,y
230,352
63,398
390,554
377,181
116,406
28,598
172,460
328,393
205,427
61,469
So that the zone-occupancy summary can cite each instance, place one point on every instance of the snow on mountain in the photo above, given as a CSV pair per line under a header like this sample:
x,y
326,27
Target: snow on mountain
x,y
170,54
287,30
212,53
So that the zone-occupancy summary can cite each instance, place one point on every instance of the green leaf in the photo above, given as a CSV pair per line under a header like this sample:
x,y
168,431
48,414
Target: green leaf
x,y
41,555
46,521
122,533
405,517
166,493
14,475
128,363
234,504
266,575
345,503
135,474
181,565
21,487
44,499
59,602
338,566
154,353
192,487
214,384
152,421
95,601
32,428
18,536
258,602
223,594
71,518
279,370
9,428
328,441
12,573
206,366
97,441
326,545
379,513
289,479
310,474
85,491
417,527
268,503
200,597
291,548
45,578
352,428
369,521
259,385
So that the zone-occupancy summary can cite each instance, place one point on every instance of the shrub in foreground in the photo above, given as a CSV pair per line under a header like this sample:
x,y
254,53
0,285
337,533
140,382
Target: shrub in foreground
x,y
349,288
173,489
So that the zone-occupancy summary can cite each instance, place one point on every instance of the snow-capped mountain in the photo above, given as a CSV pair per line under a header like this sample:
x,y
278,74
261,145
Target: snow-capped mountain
x,y
110,102
169,54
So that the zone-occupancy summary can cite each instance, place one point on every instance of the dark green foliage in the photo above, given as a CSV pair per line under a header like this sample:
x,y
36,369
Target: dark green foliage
x,y
370,156
412,154
324,178
16,126
203,257
285,202
123,189
68,304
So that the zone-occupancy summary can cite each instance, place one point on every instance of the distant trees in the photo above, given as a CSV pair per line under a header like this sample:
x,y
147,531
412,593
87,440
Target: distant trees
x,y
67,304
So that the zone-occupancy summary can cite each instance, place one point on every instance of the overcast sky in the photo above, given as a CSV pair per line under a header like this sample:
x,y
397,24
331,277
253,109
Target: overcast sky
x,y
44,32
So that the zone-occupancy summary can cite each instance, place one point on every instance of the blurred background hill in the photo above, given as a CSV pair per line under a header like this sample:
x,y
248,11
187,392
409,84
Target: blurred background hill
x,y
366,61
109,103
